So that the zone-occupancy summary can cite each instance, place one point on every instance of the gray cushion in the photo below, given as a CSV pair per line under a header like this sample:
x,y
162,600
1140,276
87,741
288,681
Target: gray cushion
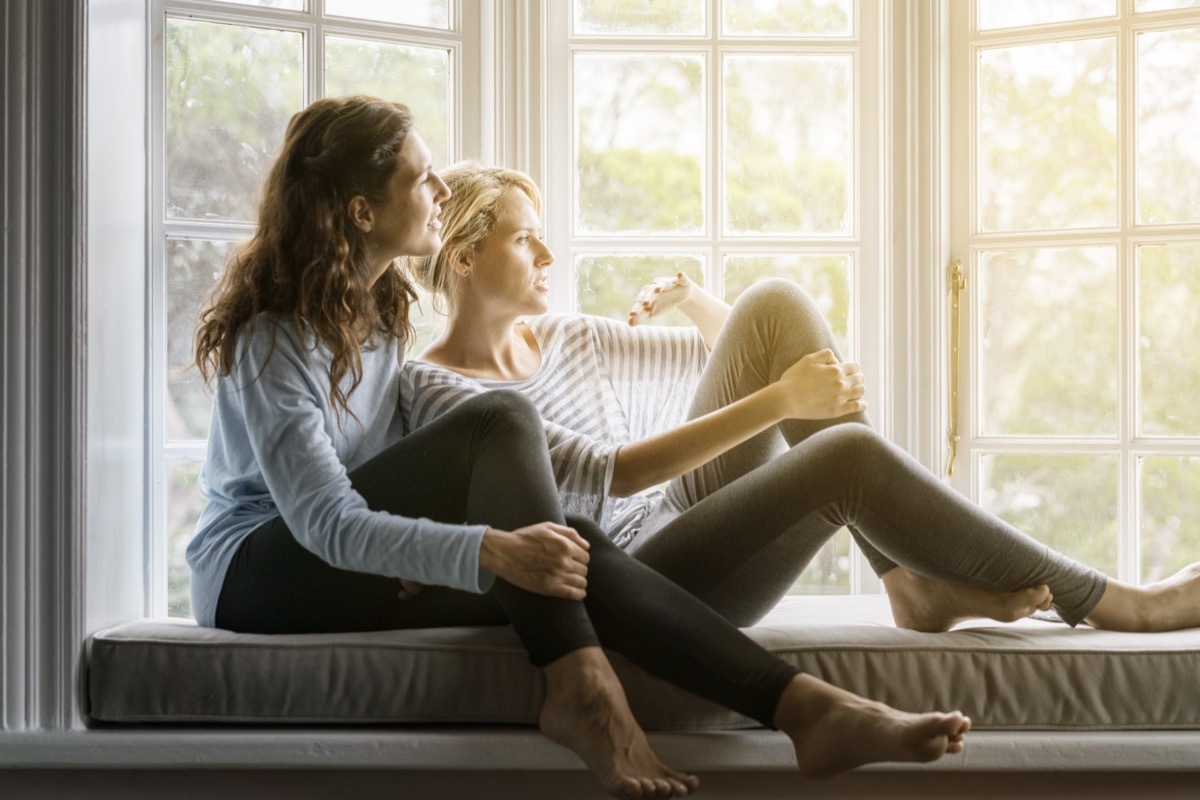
x,y
1028,675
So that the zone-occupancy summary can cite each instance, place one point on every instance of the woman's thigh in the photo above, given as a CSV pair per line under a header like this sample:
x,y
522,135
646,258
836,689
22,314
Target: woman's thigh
x,y
741,547
483,463
274,585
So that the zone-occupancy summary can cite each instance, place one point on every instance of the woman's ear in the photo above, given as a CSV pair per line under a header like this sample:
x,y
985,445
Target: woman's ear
x,y
360,213
463,261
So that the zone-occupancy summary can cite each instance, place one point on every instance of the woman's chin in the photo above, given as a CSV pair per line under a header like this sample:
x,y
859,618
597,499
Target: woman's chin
x,y
427,245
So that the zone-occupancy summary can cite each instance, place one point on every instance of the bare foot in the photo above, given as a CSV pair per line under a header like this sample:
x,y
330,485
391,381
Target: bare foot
x,y
926,604
835,731
1167,605
586,712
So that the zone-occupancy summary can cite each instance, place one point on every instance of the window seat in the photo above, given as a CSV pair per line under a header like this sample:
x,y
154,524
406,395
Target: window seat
x,y
1047,703
1032,675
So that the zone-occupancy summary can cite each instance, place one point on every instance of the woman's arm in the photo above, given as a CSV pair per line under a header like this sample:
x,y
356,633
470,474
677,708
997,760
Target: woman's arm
x,y
278,390
706,312
815,387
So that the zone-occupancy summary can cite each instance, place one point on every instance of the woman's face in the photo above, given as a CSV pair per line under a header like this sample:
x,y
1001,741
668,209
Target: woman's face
x,y
407,224
507,270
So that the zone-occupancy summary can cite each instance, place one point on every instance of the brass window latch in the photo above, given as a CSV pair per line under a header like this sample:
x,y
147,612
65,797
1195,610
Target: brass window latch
x,y
956,282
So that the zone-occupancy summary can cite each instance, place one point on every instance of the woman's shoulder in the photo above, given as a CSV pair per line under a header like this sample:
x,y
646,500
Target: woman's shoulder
x,y
268,330
419,372
547,327
267,341
551,323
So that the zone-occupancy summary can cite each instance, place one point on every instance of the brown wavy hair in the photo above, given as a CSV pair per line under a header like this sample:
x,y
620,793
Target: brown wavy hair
x,y
308,262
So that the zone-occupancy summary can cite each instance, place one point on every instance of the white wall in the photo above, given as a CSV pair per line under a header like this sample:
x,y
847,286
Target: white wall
x,y
72,338
116,311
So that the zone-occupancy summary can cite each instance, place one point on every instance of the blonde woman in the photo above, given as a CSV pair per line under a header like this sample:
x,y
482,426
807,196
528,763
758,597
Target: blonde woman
x,y
762,441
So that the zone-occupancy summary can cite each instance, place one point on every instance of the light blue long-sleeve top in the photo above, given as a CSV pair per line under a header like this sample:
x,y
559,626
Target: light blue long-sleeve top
x,y
276,447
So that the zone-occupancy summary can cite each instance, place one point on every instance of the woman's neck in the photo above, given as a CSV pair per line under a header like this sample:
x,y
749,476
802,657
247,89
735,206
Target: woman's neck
x,y
489,346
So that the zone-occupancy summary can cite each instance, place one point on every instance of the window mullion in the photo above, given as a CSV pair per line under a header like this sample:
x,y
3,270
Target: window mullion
x,y
1128,535
154,539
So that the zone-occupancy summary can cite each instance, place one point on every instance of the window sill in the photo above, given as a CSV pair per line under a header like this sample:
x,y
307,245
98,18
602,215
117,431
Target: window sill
x,y
523,749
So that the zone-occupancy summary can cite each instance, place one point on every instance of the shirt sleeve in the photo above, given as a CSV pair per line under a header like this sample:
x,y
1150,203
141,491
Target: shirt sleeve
x,y
282,398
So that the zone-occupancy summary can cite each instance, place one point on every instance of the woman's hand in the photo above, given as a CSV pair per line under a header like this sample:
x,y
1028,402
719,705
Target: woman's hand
x,y
818,386
660,296
546,558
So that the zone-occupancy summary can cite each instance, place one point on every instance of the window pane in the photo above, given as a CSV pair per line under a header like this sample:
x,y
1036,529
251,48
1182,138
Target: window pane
x,y
787,17
1048,136
789,144
1013,13
419,77
193,267
829,571
639,142
1048,341
1168,323
638,17
827,278
289,5
424,13
184,504
607,284
1168,116
1066,502
230,93
1170,491
1162,5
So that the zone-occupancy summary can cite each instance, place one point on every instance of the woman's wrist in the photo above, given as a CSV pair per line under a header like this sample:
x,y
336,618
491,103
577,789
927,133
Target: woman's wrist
x,y
490,549
774,400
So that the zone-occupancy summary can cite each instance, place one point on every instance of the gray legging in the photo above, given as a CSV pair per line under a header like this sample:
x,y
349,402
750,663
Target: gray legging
x,y
739,530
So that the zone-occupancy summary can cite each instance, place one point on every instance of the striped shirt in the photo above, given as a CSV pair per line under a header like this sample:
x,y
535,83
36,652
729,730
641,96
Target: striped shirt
x,y
601,383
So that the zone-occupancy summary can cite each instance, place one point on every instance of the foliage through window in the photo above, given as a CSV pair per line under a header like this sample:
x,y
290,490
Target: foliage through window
x,y
719,138
1080,241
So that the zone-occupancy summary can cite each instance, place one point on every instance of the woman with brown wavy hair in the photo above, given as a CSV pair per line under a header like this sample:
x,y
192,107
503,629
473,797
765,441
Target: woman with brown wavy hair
x,y
323,515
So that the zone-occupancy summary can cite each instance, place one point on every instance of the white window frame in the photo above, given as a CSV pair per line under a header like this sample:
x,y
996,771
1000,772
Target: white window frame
x,y
967,242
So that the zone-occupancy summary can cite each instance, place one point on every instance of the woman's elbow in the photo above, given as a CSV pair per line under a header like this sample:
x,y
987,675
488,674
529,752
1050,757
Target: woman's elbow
x,y
627,478
620,487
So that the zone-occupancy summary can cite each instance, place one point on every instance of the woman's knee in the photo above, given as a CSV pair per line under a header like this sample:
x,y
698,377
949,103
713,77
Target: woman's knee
x,y
507,412
777,310
777,298
506,404
590,531
855,444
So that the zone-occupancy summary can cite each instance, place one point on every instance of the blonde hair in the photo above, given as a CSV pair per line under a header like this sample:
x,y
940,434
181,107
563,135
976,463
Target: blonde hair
x,y
468,216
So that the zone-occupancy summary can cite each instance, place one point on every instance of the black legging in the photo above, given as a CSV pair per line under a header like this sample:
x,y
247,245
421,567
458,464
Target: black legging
x,y
486,463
